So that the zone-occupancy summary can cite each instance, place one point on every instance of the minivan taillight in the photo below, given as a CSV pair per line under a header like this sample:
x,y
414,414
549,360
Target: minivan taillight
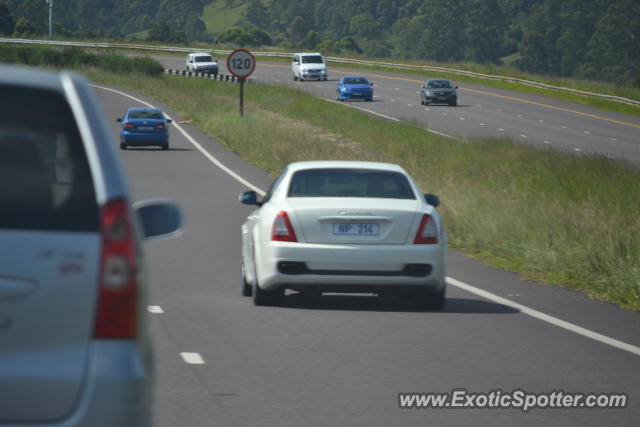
x,y
427,231
117,313
282,230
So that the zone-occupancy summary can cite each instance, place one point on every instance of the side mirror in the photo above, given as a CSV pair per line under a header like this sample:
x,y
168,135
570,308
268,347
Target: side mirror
x,y
168,120
119,120
371,84
249,198
432,199
456,86
160,218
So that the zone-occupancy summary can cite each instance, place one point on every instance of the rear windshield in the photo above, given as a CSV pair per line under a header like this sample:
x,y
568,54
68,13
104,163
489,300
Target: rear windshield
x,y
45,181
350,183
144,114
203,59
312,59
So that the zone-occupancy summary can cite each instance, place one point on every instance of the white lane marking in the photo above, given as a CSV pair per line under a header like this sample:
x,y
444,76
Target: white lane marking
x,y
498,110
523,136
392,100
545,317
547,142
427,109
577,149
541,121
520,115
444,114
192,358
195,144
481,124
500,130
488,295
613,139
462,118
563,127
409,105
397,88
155,309
478,105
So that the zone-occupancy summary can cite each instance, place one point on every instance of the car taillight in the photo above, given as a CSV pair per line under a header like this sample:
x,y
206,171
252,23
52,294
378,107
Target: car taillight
x,y
427,231
116,316
161,126
129,126
282,229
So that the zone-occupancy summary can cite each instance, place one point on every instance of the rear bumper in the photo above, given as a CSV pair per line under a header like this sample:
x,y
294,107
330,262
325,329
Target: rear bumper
x,y
349,96
142,139
441,99
358,268
117,390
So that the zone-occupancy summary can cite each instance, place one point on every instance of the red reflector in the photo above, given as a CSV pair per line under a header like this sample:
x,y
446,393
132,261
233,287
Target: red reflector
x,y
117,312
427,231
282,229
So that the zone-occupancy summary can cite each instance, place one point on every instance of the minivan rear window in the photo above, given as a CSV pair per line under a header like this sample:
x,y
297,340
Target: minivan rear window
x,y
45,180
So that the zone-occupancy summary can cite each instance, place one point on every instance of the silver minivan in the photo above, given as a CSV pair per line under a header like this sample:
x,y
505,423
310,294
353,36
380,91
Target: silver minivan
x,y
74,350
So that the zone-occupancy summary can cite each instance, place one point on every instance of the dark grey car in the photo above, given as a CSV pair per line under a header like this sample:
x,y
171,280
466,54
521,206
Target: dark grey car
x,y
439,91
74,350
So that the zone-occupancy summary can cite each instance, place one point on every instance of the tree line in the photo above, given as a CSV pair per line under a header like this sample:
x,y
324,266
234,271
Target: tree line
x,y
592,39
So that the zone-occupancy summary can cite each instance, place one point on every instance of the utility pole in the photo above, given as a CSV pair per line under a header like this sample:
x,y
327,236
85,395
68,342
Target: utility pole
x,y
50,15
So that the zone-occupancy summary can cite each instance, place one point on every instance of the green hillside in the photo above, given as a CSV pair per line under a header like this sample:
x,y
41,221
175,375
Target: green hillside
x,y
218,16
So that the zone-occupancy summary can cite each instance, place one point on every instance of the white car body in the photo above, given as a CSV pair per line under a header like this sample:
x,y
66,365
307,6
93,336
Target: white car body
x,y
202,62
308,66
324,257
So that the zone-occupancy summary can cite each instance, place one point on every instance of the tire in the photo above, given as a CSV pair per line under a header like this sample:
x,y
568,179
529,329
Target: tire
x,y
165,146
263,297
453,104
247,290
295,78
123,145
430,300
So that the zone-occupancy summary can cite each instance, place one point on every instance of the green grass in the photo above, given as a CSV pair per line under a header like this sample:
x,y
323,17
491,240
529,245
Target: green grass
x,y
554,217
219,18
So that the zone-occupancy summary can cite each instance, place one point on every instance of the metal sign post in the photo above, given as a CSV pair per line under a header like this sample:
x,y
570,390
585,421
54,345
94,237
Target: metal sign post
x,y
241,64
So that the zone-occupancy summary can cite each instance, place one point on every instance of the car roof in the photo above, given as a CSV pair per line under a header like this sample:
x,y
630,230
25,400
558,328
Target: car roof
x,y
31,77
308,53
354,77
351,164
201,54
143,109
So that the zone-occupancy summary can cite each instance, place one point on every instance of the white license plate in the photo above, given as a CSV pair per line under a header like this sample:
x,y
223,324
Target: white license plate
x,y
145,128
359,229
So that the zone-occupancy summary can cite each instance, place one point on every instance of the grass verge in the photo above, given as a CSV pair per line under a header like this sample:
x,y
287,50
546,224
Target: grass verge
x,y
569,220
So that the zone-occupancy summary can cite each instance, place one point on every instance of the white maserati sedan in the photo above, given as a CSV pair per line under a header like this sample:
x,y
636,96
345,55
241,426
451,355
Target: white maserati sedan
x,y
344,227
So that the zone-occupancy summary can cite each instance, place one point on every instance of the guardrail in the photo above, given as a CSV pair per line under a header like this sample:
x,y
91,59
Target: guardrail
x,y
334,59
222,77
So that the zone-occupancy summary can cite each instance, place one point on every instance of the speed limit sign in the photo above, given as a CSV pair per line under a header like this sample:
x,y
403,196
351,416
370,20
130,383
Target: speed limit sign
x,y
241,63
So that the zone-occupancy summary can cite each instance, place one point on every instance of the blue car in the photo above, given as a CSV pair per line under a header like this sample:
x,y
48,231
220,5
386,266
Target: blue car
x,y
354,87
144,127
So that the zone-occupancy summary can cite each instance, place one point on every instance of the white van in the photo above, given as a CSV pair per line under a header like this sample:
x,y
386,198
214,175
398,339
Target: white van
x,y
309,66
201,62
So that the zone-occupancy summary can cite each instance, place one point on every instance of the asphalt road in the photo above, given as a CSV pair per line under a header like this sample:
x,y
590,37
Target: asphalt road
x,y
341,361
482,111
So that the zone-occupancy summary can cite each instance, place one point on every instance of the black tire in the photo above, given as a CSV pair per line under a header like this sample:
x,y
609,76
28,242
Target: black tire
x,y
263,297
295,79
165,146
453,104
123,146
247,290
430,300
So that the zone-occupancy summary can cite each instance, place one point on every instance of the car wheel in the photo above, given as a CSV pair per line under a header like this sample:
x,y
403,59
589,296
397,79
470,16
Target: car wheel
x,y
123,146
430,300
263,297
295,78
247,290
165,146
453,104
421,100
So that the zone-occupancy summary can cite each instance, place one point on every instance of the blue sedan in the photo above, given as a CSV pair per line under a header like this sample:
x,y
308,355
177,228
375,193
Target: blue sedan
x,y
144,127
354,87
